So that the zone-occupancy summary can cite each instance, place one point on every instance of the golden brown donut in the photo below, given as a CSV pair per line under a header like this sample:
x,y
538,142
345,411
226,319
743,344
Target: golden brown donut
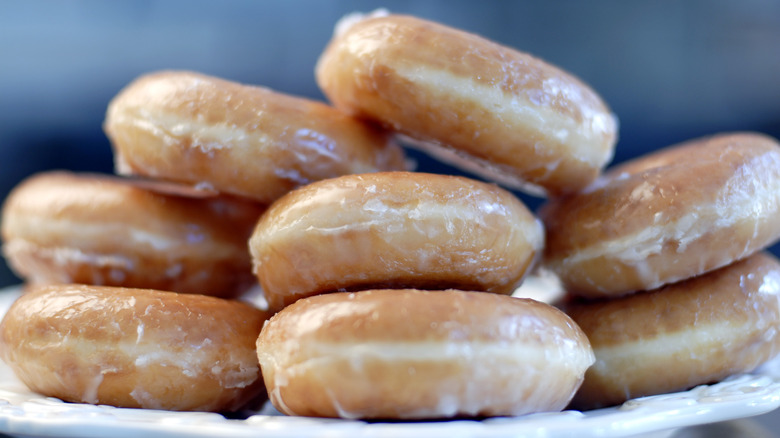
x,y
238,139
490,109
667,216
690,333
63,227
393,230
134,348
413,354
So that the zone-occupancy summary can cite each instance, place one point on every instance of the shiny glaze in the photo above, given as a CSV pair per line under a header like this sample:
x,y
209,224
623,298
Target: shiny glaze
x,y
694,332
239,139
420,354
506,110
95,229
673,214
395,229
134,347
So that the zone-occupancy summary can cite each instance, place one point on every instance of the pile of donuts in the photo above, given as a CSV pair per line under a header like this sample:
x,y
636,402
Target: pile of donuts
x,y
389,292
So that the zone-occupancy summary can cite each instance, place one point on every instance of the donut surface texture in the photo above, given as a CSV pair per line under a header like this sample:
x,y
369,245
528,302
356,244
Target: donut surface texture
x,y
238,139
493,110
393,230
667,216
60,227
690,333
134,348
410,354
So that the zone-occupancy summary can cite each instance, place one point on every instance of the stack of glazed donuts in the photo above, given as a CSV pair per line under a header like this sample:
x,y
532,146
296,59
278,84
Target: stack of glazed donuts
x,y
392,288
665,255
133,282
389,291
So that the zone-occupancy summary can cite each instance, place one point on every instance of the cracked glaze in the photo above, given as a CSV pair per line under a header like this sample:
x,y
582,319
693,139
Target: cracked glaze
x,y
689,333
134,348
238,139
515,117
668,216
421,354
394,229
95,229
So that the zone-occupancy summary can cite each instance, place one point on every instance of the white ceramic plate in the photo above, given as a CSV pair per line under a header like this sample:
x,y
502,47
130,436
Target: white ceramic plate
x,y
23,413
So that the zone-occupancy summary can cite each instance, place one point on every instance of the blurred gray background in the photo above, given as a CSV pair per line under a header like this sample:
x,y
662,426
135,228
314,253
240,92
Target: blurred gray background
x,y
670,70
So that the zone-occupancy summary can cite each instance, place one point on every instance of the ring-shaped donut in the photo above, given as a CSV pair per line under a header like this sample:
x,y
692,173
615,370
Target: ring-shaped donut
x,y
668,216
695,332
393,230
239,139
134,348
62,227
410,354
484,107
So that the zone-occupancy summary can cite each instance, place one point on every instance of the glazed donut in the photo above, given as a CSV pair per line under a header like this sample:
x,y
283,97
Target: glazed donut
x,y
694,332
667,216
490,109
410,354
134,348
238,139
61,227
393,230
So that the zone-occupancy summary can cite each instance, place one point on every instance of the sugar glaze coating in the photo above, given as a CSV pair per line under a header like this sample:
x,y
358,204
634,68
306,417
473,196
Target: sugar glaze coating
x,y
413,354
690,333
491,109
665,217
394,230
62,227
239,139
134,348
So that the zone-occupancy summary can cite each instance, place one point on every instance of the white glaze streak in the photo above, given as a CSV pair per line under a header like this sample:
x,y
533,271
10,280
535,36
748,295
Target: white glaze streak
x,y
564,132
